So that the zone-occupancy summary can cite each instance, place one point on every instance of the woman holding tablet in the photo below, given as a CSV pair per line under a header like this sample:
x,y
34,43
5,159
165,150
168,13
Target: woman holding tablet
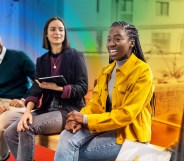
x,y
49,117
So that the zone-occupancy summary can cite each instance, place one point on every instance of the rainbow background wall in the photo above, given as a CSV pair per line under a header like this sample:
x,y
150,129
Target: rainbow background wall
x,y
160,24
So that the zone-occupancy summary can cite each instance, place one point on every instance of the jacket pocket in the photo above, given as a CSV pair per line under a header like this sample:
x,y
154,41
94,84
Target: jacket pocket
x,y
124,88
122,93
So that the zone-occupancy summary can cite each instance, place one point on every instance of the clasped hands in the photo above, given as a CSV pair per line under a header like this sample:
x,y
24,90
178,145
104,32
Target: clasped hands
x,y
74,121
15,103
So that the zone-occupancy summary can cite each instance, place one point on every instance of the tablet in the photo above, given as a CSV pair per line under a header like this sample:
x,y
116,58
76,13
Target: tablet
x,y
59,80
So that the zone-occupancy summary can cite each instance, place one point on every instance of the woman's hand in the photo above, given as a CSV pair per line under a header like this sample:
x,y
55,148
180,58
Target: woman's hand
x,y
75,116
49,85
26,118
17,103
73,126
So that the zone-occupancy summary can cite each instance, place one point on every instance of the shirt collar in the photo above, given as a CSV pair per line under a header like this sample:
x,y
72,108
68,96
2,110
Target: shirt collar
x,y
2,54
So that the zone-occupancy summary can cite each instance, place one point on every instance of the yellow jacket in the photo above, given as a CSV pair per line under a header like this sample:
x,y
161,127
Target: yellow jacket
x,y
131,110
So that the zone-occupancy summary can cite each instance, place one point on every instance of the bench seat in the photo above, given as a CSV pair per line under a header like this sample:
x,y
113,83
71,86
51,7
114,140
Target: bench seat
x,y
172,132
48,141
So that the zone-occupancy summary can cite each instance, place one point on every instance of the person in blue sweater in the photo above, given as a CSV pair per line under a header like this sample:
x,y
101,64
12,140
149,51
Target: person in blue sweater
x,y
17,70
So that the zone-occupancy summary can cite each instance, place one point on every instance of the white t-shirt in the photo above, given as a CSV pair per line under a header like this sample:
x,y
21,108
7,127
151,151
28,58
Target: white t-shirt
x,y
2,54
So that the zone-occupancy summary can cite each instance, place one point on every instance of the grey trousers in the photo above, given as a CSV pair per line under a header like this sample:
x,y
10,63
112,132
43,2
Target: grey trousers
x,y
6,119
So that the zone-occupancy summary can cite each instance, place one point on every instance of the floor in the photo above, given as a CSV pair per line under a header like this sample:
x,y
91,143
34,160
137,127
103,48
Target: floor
x,y
41,154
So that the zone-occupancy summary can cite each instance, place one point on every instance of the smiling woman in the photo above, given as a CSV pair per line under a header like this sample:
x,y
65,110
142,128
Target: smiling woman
x,y
57,100
119,44
120,105
56,35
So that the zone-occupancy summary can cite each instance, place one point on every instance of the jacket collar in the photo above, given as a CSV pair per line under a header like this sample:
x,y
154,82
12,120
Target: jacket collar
x,y
125,68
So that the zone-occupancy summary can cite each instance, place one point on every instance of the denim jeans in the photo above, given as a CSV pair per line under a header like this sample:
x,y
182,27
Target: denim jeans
x,y
22,144
84,146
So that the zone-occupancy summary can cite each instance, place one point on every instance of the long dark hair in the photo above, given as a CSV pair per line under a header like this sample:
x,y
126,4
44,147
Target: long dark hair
x,y
46,43
132,33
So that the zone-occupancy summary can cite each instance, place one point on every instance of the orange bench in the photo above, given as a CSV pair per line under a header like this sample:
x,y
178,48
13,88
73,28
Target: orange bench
x,y
172,133
48,141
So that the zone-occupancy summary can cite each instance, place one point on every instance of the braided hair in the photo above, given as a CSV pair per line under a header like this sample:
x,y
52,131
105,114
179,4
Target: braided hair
x,y
132,33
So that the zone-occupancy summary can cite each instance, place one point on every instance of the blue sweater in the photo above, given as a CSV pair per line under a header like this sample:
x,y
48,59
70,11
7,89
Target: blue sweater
x,y
16,70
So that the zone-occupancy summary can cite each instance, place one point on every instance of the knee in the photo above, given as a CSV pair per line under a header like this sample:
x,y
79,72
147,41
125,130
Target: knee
x,y
68,139
63,137
10,130
2,127
63,145
1,131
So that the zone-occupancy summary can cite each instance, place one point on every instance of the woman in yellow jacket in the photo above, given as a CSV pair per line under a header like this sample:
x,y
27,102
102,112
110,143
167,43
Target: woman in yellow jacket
x,y
120,106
